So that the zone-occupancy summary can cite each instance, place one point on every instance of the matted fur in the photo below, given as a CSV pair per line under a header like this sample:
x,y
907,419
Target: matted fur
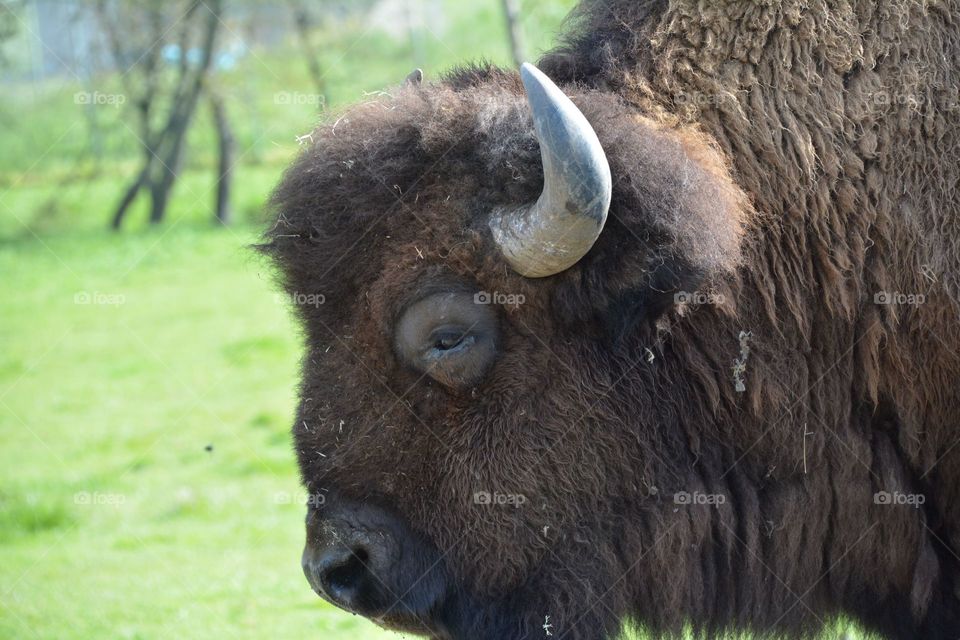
x,y
793,160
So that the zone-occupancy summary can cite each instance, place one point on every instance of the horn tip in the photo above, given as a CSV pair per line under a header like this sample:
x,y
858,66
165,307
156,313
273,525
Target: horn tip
x,y
529,73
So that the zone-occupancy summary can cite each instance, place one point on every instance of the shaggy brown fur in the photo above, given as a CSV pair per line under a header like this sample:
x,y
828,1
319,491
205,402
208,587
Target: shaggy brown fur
x,y
797,158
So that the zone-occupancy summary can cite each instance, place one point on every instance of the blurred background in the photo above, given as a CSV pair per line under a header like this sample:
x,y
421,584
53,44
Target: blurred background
x,y
147,367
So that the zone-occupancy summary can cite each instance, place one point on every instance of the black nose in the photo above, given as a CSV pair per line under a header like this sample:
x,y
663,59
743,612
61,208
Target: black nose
x,y
345,564
366,559
342,572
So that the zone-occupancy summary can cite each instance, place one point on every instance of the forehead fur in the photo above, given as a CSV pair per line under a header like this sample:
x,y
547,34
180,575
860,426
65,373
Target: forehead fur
x,y
412,163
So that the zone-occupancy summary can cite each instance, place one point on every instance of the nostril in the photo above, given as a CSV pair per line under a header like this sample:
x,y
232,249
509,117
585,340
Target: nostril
x,y
346,575
347,564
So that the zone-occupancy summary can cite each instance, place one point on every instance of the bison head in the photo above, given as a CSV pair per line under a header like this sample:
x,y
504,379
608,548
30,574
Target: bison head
x,y
489,415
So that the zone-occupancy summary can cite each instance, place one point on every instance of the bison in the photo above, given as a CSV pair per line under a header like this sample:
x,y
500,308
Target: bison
x,y
661,333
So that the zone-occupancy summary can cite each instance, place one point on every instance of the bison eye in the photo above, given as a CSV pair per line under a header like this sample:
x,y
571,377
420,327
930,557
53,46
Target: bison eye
x,y
451,337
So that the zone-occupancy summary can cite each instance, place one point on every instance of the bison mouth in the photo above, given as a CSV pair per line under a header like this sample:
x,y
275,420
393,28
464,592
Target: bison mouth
x,y
411,623
398,616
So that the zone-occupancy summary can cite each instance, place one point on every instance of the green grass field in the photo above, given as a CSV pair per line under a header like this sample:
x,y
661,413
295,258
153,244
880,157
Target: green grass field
x,y
123,359
147,379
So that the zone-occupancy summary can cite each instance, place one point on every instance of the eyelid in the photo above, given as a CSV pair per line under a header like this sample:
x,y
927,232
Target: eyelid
x,y
468,341
449,330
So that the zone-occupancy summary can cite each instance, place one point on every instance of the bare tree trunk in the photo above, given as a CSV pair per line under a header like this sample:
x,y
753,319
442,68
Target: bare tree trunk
x,y
175,132
148,65
301,19
513,30
162,147
415,31
128,197
226,149
167,165
159,196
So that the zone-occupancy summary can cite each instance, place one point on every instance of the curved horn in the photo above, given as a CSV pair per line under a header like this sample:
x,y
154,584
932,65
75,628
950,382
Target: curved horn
x,y
559,229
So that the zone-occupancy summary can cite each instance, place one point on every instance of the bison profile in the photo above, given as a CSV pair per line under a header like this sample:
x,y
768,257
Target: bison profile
x,y
663,331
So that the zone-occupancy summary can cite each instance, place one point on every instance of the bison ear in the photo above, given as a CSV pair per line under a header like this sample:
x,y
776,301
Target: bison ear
x,y
677,221
414,78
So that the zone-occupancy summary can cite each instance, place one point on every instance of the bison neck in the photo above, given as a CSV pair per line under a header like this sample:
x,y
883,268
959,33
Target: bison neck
x,y
841,131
